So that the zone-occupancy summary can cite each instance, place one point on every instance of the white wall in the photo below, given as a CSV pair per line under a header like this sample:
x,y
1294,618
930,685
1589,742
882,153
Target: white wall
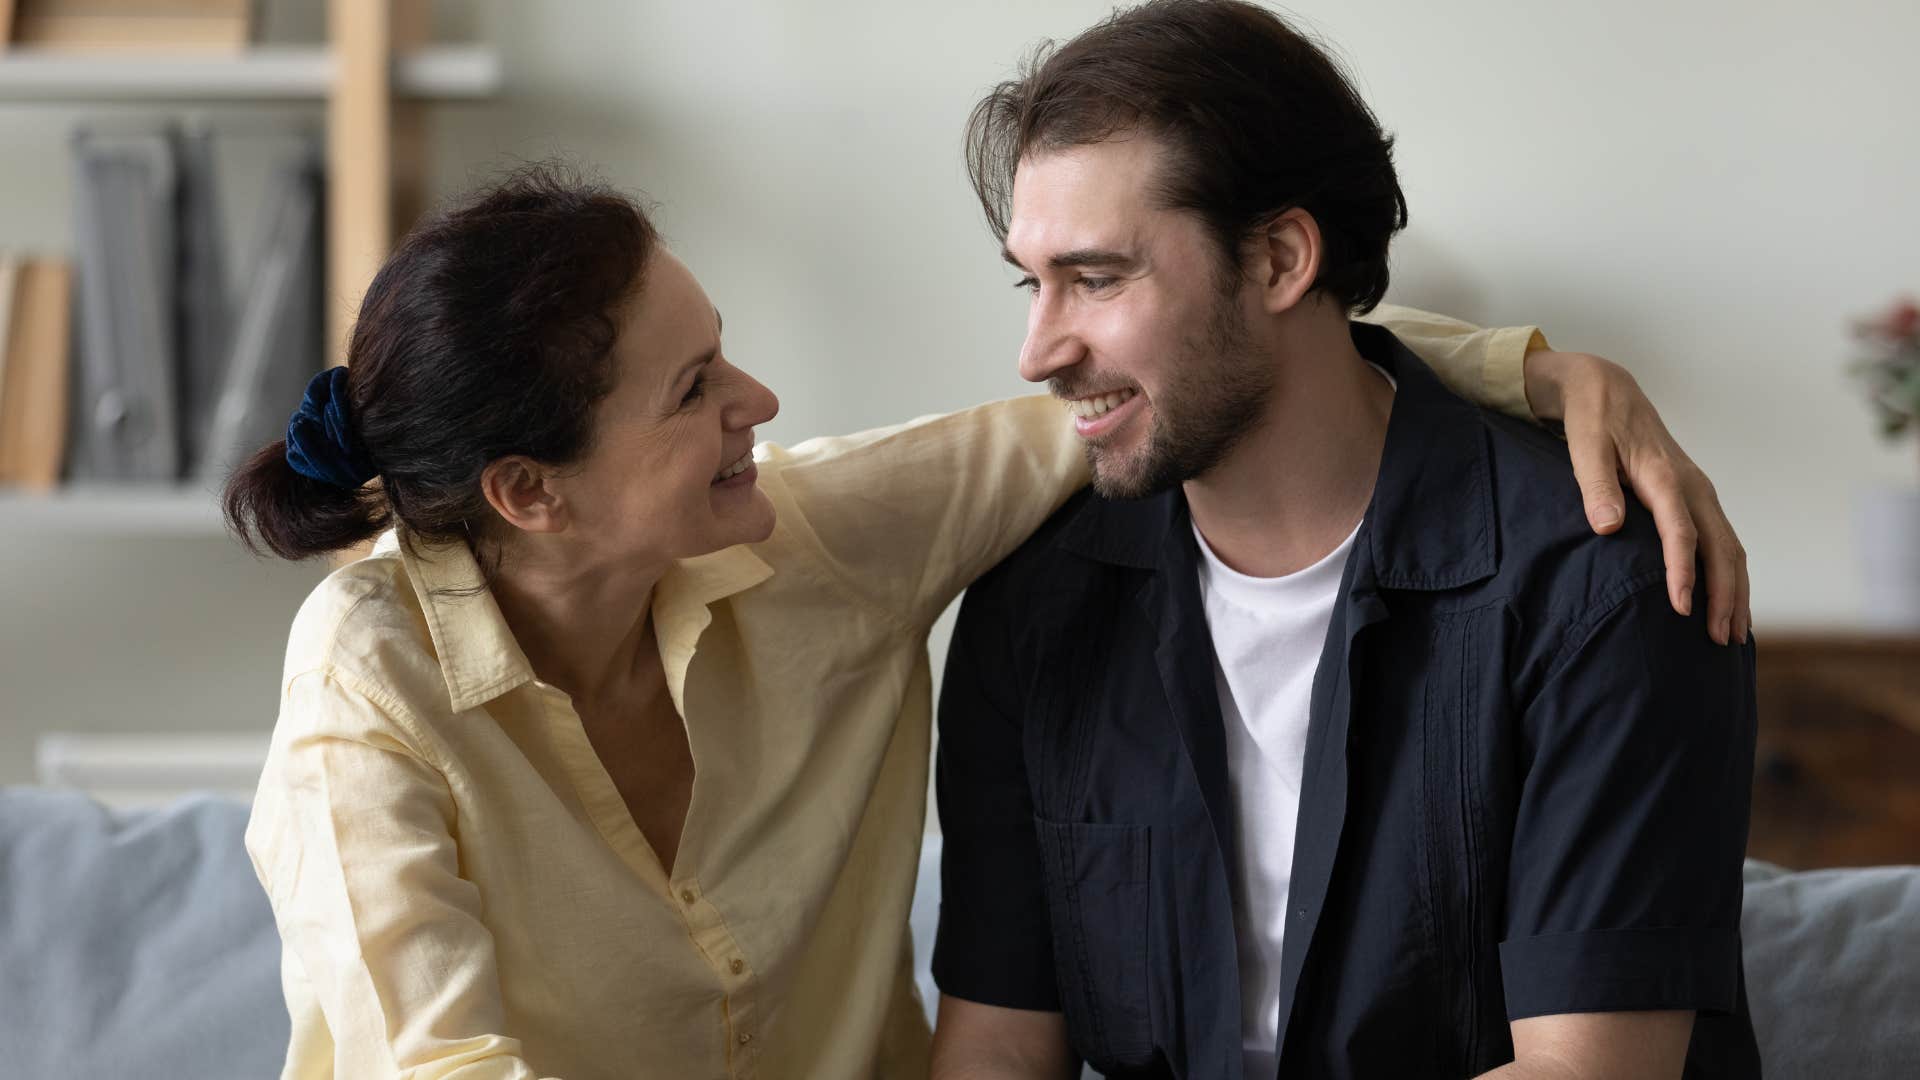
x,y
1705,191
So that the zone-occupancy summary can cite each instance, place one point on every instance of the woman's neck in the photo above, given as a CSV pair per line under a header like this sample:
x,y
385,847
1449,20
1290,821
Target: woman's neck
x,y
585,628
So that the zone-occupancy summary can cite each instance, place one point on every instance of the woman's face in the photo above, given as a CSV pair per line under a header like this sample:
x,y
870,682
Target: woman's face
x,y
670,473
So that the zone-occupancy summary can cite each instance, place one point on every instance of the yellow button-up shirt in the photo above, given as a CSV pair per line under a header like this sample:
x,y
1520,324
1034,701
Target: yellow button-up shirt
x,y
458,884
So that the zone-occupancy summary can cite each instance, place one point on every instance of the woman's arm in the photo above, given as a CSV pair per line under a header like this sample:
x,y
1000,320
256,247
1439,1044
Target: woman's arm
x,y
904,517
351,835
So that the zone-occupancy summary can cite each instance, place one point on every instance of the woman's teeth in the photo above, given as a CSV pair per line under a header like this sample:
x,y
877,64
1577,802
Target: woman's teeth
x,y
1090,408
734,469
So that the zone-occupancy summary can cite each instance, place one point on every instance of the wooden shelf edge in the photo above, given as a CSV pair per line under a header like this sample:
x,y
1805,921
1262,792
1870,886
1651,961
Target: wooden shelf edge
x,y
114,510
264,73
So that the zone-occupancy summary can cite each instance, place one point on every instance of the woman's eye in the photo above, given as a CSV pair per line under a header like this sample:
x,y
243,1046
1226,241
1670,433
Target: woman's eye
x,y
694,392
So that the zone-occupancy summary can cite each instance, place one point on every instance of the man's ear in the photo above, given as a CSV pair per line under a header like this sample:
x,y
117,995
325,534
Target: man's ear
x,y
520,490
1286,260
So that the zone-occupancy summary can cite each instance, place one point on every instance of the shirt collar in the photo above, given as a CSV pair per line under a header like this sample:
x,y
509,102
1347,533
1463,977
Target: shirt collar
x,y
1430,525
478,655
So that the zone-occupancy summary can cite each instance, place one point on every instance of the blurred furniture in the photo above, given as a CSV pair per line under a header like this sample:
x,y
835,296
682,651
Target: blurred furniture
x,y
1837,772
140,944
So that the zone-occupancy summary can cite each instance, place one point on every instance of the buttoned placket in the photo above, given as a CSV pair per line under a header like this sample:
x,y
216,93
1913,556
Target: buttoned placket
x,y
705,926
707,929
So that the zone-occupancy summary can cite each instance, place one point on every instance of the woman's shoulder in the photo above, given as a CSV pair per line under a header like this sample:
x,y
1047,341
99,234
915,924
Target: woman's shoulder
x,y
360,622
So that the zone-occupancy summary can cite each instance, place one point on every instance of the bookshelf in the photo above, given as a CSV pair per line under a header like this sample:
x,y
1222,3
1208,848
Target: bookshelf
x,y
371,78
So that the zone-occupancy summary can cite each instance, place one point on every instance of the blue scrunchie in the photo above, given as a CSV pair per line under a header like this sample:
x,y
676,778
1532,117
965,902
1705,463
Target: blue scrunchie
x,y
320,444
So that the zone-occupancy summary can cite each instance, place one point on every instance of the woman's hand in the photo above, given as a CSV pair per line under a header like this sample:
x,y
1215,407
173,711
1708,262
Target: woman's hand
x,y
1612,429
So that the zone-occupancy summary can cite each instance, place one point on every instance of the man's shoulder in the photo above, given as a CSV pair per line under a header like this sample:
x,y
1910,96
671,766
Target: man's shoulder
x,y
1050,560
1551,562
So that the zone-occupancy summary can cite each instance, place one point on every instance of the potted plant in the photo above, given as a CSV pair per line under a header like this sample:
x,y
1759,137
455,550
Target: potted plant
x,y
1889,369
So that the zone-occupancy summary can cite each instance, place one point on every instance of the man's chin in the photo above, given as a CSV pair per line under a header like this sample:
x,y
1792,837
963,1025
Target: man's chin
x,y
1127,478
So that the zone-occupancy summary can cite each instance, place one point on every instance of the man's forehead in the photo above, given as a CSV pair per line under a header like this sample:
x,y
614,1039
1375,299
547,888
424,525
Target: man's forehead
x,y
1082,198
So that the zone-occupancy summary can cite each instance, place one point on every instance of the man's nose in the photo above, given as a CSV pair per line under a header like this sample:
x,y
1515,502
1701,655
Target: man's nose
x,y
1051,346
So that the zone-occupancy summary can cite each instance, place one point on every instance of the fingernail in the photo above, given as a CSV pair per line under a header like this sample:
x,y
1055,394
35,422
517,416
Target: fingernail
x,y
1726,630
1606,515
1685,603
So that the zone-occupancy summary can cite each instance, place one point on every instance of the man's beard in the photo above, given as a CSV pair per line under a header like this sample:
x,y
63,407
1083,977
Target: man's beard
x,y
1216,392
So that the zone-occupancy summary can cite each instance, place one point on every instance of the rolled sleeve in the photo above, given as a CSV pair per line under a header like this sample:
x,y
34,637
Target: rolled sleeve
x,y
1625,888
994,944
1485,366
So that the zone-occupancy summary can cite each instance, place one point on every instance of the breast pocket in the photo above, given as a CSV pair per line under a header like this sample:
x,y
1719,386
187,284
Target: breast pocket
x,y
1098,897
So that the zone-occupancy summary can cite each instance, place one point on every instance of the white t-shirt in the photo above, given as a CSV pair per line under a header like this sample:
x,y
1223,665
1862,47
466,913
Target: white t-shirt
x,y
1267,636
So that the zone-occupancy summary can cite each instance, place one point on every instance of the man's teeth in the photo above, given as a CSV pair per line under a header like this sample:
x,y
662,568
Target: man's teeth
x,y
1090,408
734,469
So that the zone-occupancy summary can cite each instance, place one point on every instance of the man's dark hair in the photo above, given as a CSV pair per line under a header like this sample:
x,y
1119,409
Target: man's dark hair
x,y
1256,120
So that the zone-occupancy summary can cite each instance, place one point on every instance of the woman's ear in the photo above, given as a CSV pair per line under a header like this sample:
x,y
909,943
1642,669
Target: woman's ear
x,y
520,491
1286,260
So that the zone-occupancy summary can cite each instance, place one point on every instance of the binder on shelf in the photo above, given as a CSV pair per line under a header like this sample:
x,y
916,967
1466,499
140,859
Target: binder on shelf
x,y
205,311
142,25
33,406
124,424
277,339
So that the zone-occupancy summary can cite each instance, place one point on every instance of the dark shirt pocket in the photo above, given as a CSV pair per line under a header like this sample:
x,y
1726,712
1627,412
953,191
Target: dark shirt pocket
x,y
1097,898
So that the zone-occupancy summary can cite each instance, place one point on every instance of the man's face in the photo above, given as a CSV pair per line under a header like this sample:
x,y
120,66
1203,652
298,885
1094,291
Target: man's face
x,y
1135,324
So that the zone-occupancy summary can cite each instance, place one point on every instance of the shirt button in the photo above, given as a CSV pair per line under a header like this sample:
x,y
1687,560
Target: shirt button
x,y
686,895
745,1038
738,965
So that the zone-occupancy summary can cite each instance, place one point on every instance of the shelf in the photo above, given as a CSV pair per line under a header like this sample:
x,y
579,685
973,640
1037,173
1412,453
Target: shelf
x,y
122,511
438,73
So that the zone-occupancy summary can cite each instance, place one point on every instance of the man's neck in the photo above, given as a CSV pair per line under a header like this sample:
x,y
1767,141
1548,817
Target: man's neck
x,y
1297,485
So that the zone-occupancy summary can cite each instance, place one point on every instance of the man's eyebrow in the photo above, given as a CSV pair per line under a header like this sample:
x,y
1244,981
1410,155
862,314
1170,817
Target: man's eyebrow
x,y
1078,257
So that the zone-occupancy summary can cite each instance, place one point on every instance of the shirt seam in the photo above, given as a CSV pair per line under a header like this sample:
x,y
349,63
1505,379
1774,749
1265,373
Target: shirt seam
x,y
1581,629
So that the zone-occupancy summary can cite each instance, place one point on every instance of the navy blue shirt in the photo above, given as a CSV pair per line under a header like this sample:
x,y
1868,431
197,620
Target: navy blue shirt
x,y
1525,792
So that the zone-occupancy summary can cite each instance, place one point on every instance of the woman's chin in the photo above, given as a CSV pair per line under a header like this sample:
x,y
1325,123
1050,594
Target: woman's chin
x,y
749,523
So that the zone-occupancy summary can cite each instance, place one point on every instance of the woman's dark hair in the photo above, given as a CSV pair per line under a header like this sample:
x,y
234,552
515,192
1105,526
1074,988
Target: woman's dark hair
x,y
489,332
1255,118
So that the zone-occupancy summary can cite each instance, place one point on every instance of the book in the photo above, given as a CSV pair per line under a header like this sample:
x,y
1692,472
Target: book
x,y
33,413
8,267
135,25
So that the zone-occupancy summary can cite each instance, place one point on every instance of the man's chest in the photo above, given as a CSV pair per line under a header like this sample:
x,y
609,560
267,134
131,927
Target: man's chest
x,y
1396,837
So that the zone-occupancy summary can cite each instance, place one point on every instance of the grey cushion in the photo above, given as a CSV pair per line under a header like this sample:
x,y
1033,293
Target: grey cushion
x,y
134,944
140,945
1833,971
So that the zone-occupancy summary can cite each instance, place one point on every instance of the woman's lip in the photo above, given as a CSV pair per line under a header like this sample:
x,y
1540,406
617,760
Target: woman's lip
x,y
1106,421
744,478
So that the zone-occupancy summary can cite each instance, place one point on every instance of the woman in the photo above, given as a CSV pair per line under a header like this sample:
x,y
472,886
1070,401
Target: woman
x,y
492,844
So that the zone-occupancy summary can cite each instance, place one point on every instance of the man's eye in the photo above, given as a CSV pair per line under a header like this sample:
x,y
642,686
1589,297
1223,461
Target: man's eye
x,y
694,392
1029,283
1096,284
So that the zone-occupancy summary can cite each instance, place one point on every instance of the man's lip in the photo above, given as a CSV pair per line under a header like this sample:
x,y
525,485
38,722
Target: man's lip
x,y
1107,421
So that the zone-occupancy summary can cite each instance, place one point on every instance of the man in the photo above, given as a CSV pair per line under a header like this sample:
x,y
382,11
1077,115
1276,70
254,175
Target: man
x,y
1322,737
